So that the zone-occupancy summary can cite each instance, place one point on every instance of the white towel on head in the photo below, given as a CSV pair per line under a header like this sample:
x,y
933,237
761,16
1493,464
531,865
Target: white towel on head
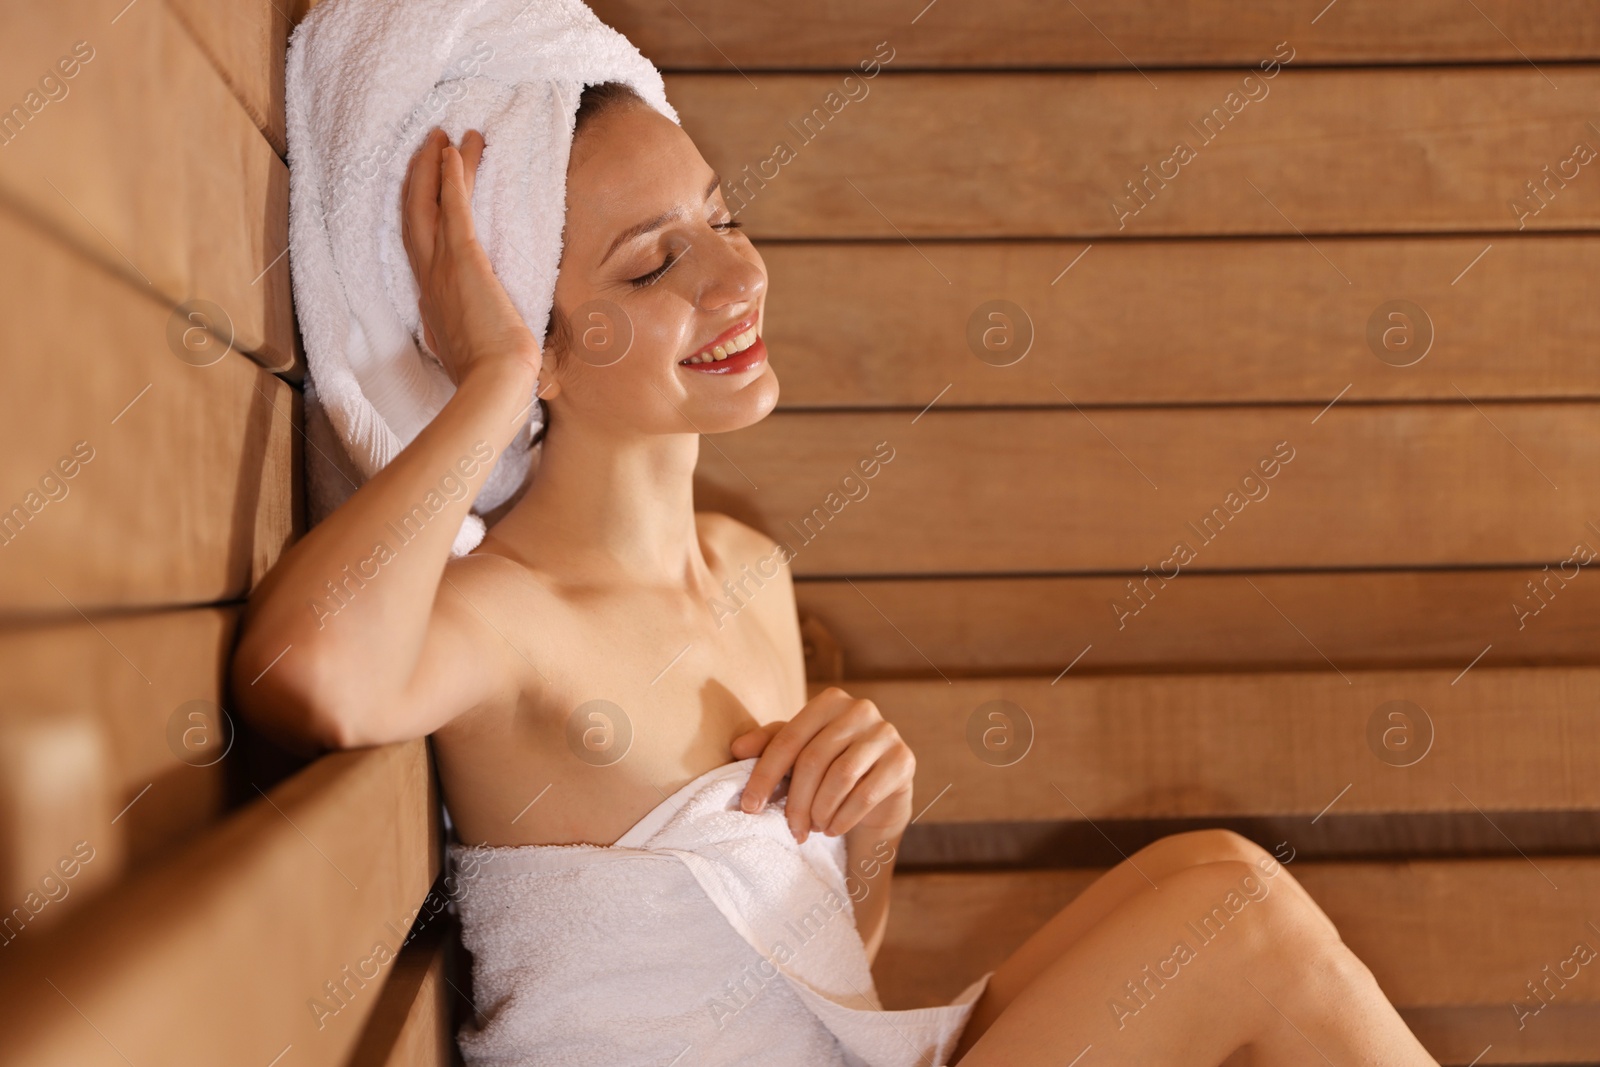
x,y
366,81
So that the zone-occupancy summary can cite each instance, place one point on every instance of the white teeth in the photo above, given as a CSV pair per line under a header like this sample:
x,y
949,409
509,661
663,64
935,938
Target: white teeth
x,y
721,352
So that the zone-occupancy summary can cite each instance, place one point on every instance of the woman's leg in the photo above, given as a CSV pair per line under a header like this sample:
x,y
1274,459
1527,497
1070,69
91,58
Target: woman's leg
x,y
1154,863
1219,958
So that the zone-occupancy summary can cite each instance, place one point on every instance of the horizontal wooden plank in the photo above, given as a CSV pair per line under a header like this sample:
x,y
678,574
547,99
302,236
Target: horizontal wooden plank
x,y
140,677
1098,33
149,165
1452,943
1177,322
1041,491
246,43
1355,619
220,954
916,156
131,477
930,950
1292,743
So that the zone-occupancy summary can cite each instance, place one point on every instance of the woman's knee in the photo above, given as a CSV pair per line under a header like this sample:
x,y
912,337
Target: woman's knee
x,y
1195,847
1239,924
1177,852
1311,968
1274,923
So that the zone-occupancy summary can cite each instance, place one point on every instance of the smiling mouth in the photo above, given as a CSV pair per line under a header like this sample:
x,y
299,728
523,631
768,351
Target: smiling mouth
x,y
726,349
740,348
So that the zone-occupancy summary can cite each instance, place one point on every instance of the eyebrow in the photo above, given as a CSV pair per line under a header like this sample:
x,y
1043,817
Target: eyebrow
x,y
656,223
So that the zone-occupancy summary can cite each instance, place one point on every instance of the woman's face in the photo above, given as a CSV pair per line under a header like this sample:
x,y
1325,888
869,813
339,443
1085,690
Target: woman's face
x,y
654,275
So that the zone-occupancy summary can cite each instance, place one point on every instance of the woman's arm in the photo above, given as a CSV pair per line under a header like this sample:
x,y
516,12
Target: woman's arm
x,y
350,639
869,860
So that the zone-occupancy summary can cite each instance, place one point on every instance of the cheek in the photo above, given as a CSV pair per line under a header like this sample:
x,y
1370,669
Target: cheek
x,y
761,265
750,253
664,328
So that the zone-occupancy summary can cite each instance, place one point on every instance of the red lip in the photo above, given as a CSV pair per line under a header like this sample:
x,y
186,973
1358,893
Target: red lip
x,y
722,338
735,363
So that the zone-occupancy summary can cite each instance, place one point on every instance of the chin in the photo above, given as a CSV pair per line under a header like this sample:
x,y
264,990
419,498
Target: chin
x,y
742,406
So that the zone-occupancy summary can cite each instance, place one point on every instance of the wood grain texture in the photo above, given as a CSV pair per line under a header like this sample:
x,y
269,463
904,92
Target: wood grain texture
x,y
1214,745
1063,491
57,801
186,487
1355,619
151,167
246,42
1451,942
916,156
216,956
867,324
715,35
138,677
411,1026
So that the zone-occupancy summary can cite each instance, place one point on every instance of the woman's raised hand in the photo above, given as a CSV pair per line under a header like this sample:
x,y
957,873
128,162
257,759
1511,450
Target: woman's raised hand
x,y
848,767
467,317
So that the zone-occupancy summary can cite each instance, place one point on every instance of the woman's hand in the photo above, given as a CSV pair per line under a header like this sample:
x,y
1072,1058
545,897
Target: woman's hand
x,y
467,318
848,767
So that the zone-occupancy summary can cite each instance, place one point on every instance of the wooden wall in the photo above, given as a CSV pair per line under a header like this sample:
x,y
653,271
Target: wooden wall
x,y
167,895
1194,482
1426,542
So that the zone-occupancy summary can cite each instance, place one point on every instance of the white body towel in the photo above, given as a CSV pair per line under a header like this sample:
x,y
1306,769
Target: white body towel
x,y
705,936
365,82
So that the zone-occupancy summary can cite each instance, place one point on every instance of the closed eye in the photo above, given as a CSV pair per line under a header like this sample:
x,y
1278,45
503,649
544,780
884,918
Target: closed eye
x,y
650,279
654,276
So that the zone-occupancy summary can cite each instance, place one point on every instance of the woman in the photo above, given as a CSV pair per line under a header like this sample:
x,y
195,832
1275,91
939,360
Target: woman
x,y
599,581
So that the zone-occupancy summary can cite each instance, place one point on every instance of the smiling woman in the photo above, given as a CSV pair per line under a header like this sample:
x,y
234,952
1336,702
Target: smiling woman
x,y
666,811
397,411
693,235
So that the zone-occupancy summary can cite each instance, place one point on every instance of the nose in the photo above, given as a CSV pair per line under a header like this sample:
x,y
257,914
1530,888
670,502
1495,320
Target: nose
x,y
732,275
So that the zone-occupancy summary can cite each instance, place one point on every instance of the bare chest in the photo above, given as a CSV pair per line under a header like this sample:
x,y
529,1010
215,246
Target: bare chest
x,y
619,709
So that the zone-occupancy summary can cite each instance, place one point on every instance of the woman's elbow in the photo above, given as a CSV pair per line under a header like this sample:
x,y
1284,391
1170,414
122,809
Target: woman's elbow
x,y
283,697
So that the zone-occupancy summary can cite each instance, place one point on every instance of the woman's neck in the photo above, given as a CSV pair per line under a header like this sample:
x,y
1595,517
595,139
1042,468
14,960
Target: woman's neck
x,y
611,507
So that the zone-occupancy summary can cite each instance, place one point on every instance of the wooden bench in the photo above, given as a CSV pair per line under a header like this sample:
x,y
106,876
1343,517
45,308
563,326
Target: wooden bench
x,y
1004,584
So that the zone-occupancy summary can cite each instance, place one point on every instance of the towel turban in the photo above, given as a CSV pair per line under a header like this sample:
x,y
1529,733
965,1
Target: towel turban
x,y
366,81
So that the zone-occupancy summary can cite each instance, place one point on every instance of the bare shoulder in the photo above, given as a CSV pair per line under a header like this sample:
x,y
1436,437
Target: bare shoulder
x,y
748,560
755,573
738,545
491,573
510,606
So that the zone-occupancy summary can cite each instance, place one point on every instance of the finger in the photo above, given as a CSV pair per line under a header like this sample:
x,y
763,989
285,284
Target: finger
x,y
852,765
813,764
779,756
472,145
455,206
421,207
887,777
846,720
753,742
